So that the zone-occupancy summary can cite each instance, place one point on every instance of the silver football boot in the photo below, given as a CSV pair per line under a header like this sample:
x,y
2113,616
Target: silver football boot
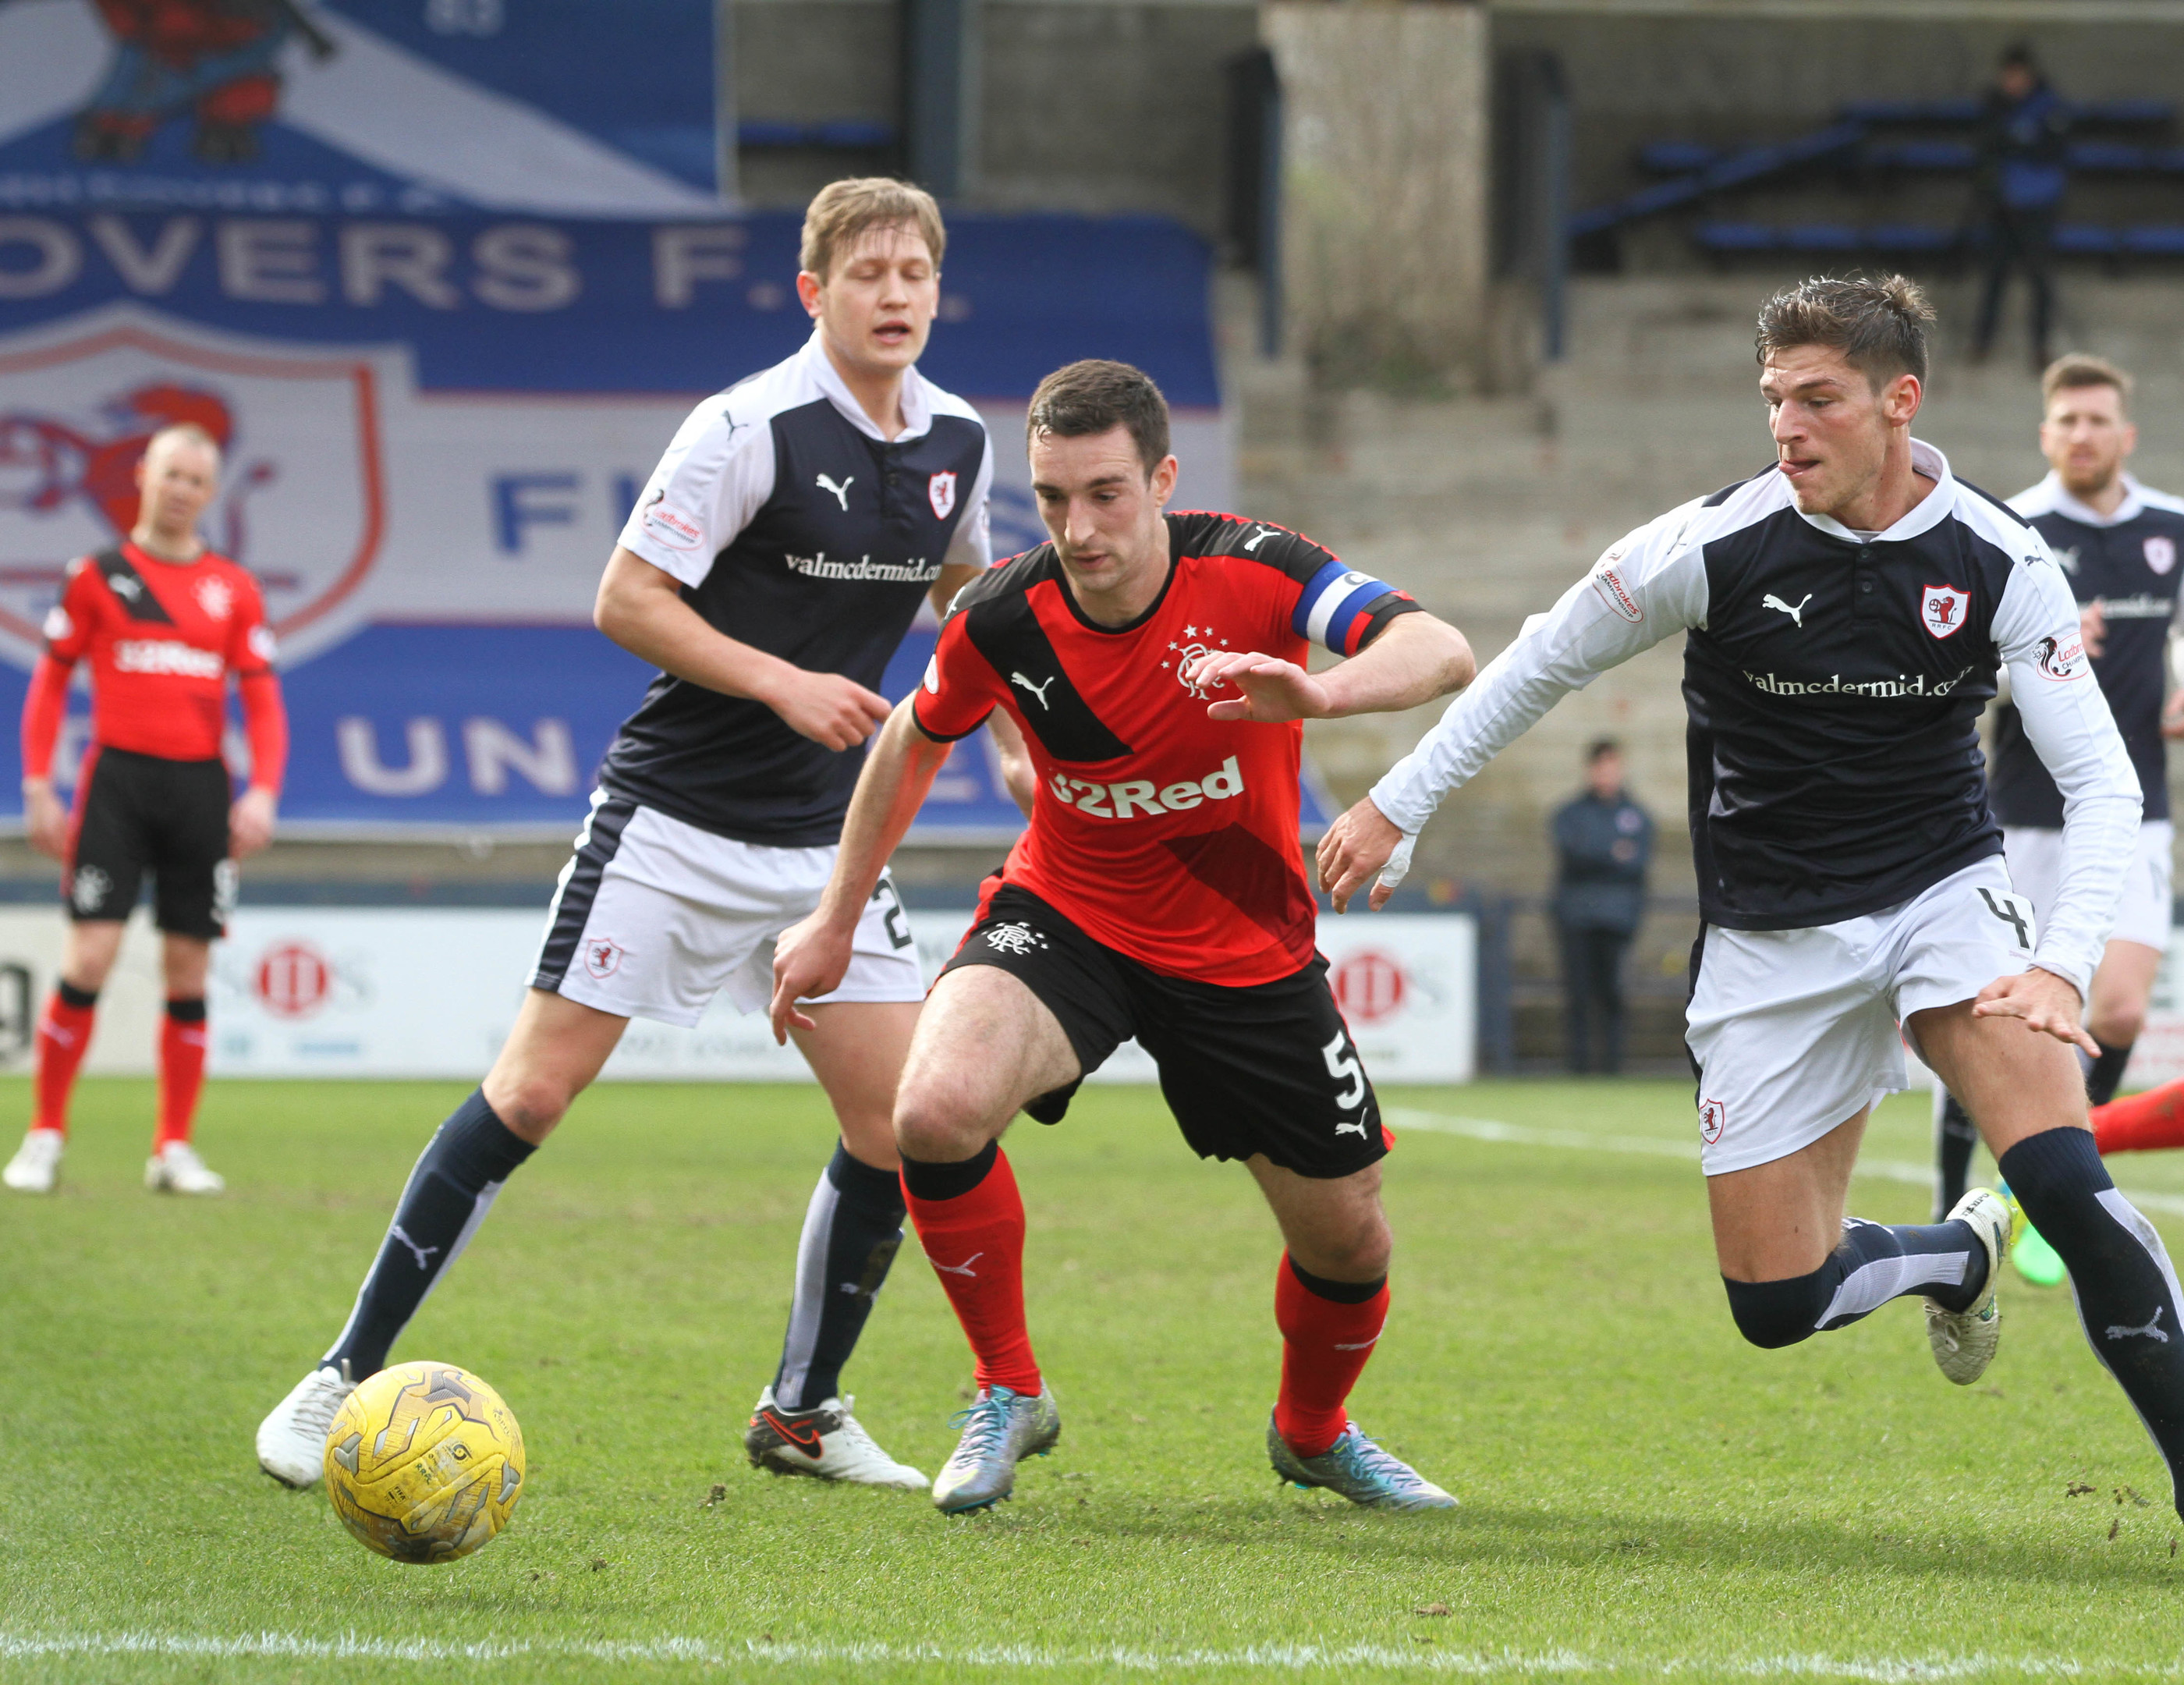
x,y
1359,1470
999,1431
1964,1341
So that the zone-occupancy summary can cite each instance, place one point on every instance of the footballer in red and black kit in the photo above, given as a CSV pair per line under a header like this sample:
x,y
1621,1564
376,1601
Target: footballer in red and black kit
x,y
1154,664
163,624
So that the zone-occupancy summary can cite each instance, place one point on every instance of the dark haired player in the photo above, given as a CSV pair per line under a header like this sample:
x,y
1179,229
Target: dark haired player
x,y
164,622
1845,613
1158,893
771,568
2118,543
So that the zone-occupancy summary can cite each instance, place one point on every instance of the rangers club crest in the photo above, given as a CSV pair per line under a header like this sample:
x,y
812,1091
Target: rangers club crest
x,y
1942,609
941,489
2161,553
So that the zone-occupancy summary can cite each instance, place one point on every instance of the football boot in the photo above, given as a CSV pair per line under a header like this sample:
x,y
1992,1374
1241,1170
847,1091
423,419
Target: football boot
x,y
292,1442
825,1440
999,1431
1358,1470
175,1168
36,1166
1964,1341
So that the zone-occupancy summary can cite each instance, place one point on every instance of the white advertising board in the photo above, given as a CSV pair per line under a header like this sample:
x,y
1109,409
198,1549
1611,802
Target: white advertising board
x,y
431,992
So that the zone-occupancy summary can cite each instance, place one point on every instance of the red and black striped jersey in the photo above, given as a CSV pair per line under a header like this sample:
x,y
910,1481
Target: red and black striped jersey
x,y
1163,833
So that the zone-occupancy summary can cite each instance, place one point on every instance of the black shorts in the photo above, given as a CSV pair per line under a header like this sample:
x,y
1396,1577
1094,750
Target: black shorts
x,y
1268,1068
139,813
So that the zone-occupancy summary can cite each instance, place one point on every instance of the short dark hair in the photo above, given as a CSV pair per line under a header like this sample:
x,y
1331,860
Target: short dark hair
x,y
2070,373
1600,750
1092,396
1880,326
2020,56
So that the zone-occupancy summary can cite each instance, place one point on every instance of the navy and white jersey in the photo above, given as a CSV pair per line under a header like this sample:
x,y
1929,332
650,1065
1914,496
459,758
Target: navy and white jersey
x,y
2127,562
795,527
1833,682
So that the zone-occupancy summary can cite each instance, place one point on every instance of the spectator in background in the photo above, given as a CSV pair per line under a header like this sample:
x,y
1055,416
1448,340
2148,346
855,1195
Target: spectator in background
x,y
1603,843
2020,182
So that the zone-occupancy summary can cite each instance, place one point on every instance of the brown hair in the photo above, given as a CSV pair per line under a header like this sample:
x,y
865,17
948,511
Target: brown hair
x,y
2068,374
844,210
1090,397
1880,326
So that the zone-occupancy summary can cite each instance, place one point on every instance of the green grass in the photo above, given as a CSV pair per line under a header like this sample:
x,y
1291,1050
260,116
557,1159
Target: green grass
x,y
1641,1493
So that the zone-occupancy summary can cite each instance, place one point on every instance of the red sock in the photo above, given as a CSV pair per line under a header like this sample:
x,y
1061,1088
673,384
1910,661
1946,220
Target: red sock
x,y
1324,1346
975,1239
181,1070
2141,1123
63,1033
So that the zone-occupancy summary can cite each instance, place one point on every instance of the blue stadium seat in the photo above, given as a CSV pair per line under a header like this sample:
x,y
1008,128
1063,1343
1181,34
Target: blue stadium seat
x,y
2154,240
1909,238
2107,157
1923,154
2080,239
1734,236
1674,157
1823,237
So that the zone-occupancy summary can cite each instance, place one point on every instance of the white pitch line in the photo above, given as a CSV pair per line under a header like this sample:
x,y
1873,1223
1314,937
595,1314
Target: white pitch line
x,y
1020,1658
1523,1135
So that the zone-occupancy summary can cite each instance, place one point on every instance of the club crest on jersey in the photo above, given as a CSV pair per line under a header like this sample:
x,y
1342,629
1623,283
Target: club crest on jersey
x,y
215,596
603,955
1942,609
941,489
2161,553
1186,658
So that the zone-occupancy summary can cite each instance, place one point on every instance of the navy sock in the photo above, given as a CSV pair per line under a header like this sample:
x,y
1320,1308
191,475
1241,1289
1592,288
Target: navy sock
x,y
1873,1264
2119,1273
1955,1136
2104,1075
448,1193
852,1231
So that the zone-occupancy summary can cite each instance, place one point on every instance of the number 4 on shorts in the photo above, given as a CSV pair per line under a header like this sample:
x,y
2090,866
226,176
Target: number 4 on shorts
x,y
2014,910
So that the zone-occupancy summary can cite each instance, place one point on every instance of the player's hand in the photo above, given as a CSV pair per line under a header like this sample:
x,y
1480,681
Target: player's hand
x,y
2093,626
1356,848
2048,1003
250,823
2172,715
45,821
1273,691
831,710
809,959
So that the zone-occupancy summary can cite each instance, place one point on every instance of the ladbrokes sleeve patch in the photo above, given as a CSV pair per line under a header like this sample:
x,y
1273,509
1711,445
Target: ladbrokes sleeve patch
x,y
675,528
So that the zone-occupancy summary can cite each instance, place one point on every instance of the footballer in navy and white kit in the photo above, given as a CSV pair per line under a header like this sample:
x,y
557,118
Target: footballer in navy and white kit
x,y
1844,614
2117,543
770,569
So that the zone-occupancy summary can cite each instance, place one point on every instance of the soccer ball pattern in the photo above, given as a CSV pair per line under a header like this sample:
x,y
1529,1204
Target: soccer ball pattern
x,y
424,1463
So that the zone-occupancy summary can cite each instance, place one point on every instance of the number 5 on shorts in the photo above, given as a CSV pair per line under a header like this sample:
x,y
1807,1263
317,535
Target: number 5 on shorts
x,y
1342,1065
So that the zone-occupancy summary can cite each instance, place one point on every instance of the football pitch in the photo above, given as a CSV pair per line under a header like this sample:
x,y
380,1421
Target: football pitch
x,y
1641,1494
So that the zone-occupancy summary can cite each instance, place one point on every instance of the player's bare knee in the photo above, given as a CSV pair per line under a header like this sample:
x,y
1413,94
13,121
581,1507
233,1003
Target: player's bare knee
x,y
2116,1026
529,1104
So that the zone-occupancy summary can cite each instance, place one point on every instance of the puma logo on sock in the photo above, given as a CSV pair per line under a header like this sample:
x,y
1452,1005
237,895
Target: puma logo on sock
x,y
425,1253
964,1269
2153,1328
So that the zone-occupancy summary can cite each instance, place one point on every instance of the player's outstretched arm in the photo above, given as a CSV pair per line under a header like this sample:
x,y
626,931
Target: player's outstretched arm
x,y
640,606
812,956
1415,659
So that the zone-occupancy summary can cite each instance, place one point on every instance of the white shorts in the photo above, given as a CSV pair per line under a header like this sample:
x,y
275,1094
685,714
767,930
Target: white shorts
x,y
1794,1032
2145,913
652,917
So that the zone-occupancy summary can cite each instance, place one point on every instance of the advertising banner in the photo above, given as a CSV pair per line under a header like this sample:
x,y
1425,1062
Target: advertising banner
x,y
335,992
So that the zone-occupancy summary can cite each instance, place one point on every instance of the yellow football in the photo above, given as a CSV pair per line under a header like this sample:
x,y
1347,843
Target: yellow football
x,y
424,1463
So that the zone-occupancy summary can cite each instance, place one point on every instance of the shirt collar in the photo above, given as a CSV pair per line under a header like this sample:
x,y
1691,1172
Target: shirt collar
x,y
1927,513
2132,507
916,404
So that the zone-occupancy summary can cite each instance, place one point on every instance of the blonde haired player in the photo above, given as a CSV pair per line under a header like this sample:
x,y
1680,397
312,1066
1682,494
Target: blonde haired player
x,y
770,569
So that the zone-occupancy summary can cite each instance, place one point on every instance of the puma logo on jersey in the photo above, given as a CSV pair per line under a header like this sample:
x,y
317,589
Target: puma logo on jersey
x,y
1770,601
841,492
2151,1329
1037,690
1259,538
1134,796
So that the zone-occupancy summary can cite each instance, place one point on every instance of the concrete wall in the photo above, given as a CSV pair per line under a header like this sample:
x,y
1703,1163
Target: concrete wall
x,y
1385,212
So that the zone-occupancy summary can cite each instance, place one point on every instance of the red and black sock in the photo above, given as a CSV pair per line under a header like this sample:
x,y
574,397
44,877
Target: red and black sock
x,y
64,1037
181,1070
970,1219
1328,1331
